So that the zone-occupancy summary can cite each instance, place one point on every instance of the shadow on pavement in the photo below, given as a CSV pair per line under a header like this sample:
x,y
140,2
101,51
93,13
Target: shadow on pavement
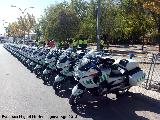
x,y
124,108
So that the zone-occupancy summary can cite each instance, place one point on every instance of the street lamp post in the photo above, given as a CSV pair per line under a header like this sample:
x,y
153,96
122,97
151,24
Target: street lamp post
x,y
4,25
98,24
22,11
4,22
159,31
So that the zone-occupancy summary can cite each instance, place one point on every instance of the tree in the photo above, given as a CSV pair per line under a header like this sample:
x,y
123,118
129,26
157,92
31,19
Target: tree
x,y
26,23
154,7
67,25
38,31
132,21
125,21
14,30
30,23
22,24
108,16
60,21
88,21
80,7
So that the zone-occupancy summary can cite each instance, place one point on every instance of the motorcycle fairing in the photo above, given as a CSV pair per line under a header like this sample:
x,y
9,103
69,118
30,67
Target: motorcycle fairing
x,y
59,78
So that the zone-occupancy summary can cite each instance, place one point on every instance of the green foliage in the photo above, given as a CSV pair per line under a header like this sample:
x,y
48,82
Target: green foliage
x,y
23,25
121,22
60,22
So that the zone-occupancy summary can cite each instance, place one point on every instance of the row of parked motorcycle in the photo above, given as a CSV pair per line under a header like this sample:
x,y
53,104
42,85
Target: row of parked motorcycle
x,y
88,70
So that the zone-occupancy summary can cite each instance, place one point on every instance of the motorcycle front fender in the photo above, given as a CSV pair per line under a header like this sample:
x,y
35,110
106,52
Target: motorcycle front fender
x,y
46,71
37,67
76,91
59,78
32,64
27,61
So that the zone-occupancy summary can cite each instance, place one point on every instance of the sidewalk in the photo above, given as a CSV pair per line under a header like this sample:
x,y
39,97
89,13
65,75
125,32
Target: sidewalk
x,y
123,51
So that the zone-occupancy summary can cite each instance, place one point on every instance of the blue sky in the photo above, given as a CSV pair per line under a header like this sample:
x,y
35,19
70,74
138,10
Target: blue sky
x,y
10,14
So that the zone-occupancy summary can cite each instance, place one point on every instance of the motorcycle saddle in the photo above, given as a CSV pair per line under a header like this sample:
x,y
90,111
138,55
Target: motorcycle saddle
x,y
114,71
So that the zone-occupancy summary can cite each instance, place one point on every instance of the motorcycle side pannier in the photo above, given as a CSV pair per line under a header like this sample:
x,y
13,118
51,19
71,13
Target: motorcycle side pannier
x,y
136,76
128,64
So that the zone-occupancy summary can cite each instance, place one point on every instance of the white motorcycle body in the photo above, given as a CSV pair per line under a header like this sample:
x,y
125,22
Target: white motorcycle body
x,y
32,63
52,62
65,68
88,82
46,71
59,78
52,65
28,61
135,78
76,91
41,60
37,67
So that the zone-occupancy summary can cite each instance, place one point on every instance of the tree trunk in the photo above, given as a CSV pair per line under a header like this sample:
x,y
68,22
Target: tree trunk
x,y
142,43
24,38
159,31
28,36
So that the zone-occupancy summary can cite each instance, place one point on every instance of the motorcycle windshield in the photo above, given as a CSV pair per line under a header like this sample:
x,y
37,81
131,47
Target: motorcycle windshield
x,y
50,56
63,60
69,49
85,65
35,52
85,68
40,54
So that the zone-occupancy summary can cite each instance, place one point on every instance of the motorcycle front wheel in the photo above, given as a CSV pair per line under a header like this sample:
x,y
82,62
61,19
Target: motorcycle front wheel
x,y
57,85
38,72
73,100
46,78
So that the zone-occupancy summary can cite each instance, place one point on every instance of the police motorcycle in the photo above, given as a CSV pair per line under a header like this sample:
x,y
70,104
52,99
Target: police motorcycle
x,y
40,65
65,67
99,76
65,70
20,54
8,47
15,51
33,58
28,55
19,51
51,60
26,52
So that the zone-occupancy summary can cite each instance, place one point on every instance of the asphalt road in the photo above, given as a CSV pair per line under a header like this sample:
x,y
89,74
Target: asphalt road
x,y
24,96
